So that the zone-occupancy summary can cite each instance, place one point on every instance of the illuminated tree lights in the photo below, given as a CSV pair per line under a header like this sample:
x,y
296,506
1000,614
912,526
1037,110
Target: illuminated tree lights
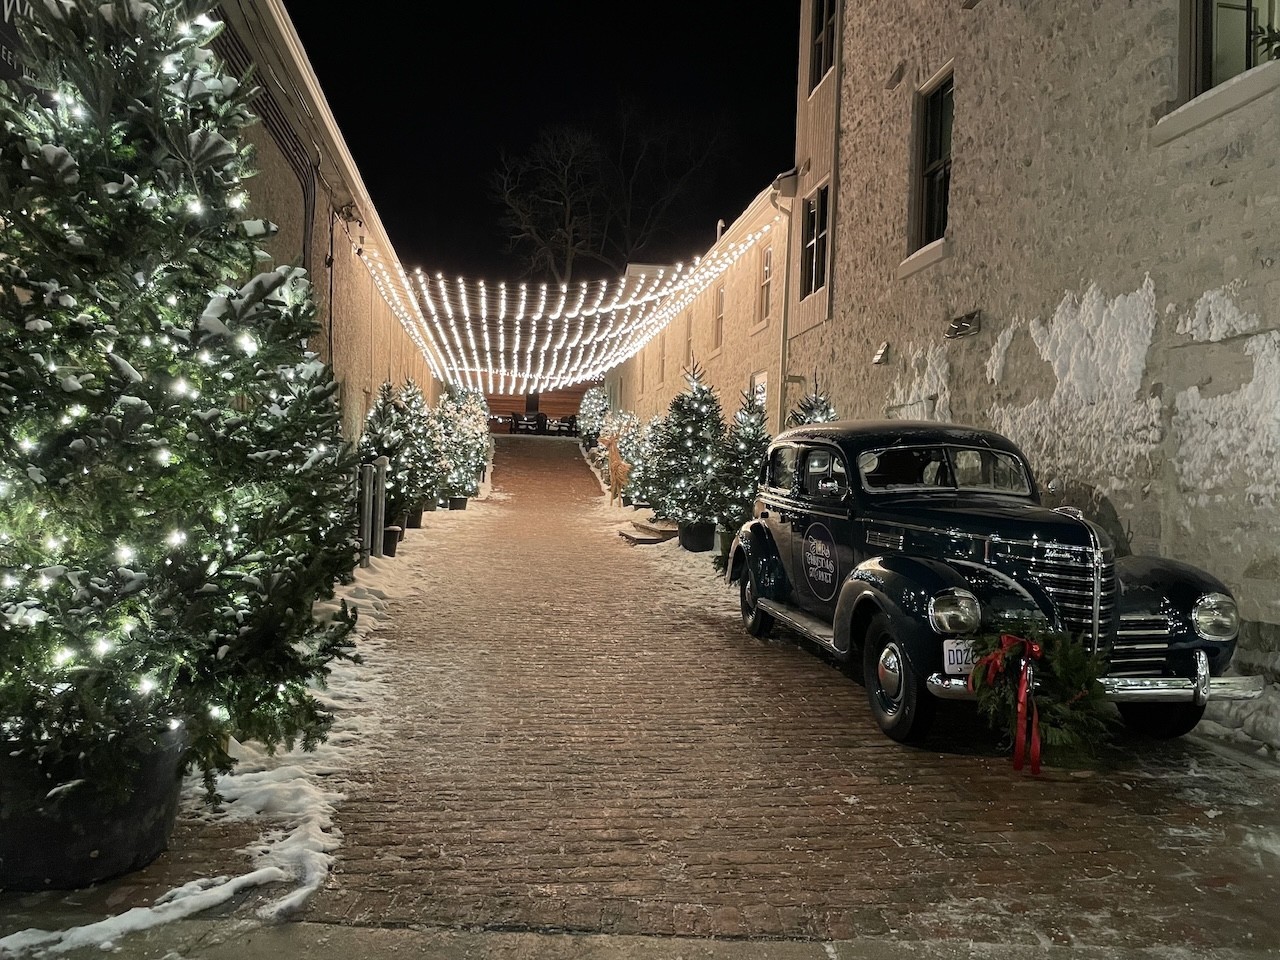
x,y
738,463
683,465
174,489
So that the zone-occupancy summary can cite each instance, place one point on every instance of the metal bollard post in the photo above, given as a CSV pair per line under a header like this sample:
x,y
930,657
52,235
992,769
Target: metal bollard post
x,y
367,474
379,503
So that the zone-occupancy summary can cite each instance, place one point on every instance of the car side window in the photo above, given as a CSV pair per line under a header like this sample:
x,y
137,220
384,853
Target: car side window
x,y
782,468
824,474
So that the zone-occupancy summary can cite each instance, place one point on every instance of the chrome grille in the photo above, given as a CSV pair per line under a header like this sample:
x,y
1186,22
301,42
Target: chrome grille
x,y
1080,581
1141,646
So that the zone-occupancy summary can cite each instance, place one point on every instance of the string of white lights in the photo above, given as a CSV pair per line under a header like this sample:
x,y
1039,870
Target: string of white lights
x,y
546,337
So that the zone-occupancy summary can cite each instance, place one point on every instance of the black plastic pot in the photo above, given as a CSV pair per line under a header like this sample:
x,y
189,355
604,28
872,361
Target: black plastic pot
x,y
390,540
402,522
697,537
415,517
84,836
457,503
430,505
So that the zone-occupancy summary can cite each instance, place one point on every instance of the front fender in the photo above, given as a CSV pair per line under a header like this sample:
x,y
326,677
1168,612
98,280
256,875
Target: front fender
x,y
754,545
898,586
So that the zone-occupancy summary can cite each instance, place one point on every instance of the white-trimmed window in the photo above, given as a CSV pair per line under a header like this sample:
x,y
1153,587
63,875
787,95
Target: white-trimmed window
x,y
817,224
765,303
717,327
822,50
760,387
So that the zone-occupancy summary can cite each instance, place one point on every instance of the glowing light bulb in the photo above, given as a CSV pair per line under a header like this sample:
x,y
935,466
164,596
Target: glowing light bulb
x,y
146,685
26,445
176,538
247,344
103,647
124,553
163,456
195,207
62,656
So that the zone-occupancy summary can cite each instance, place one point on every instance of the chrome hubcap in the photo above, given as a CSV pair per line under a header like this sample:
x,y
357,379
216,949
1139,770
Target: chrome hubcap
x,y
889,675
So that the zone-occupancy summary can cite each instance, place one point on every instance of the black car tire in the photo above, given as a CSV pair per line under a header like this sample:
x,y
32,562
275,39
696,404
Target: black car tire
x,y
757,622
1161,721
906,713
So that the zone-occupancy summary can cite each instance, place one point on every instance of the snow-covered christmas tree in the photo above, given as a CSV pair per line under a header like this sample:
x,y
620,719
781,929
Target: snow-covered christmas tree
x,y
424,446
684,453
637,449
464,419
738,462
385,436
592,410
174,488
814,407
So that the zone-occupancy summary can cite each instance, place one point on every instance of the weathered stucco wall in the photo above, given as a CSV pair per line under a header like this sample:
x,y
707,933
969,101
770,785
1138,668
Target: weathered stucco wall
x,y
1130,291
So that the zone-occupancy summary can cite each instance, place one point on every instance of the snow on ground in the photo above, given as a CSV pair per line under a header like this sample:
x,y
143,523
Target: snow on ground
x,y
294,795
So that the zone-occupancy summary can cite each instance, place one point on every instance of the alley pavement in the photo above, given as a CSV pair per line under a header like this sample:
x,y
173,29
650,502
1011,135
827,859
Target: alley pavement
x,y
583,749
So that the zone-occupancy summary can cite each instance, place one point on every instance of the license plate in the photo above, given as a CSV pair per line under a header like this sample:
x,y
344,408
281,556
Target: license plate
x,y
957,656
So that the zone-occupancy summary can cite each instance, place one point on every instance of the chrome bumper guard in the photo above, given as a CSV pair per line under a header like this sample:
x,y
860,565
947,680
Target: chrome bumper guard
x,y
1199,690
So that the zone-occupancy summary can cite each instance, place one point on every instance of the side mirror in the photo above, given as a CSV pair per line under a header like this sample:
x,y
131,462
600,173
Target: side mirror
x,y
1053,486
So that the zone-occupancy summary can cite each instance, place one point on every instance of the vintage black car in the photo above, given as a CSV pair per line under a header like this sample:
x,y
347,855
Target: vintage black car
x,y
888,543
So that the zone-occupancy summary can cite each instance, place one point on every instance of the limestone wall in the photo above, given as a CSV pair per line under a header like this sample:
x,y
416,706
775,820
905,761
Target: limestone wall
x,y
1129,289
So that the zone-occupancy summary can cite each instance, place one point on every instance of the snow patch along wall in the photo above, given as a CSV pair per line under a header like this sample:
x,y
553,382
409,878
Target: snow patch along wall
x,y
1098,432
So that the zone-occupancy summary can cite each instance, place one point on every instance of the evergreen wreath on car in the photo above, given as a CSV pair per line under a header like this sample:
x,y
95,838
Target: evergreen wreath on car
x,y
1058,704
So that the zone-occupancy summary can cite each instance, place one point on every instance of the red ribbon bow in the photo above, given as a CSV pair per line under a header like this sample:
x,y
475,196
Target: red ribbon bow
x,y
1027,733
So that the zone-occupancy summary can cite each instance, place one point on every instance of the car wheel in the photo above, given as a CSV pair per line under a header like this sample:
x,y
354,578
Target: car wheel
x,y
757,622
1161,721
899,701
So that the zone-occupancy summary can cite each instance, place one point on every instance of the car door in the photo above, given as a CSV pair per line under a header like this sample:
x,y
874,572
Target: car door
x,y
822,535
777,499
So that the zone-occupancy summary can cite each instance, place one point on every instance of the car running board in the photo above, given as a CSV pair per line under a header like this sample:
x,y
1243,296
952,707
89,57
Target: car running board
x,y
819,631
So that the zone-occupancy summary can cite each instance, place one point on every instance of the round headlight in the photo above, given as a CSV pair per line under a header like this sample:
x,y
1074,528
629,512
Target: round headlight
x,y
955,611
1215,617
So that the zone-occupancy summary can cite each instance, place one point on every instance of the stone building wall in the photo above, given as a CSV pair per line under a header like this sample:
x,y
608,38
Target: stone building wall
x,y
1128,282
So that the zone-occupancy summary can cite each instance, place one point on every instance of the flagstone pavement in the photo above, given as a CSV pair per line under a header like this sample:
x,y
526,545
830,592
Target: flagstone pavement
x,y
580,746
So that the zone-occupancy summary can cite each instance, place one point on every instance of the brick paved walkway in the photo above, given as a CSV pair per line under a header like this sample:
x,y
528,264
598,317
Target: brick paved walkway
x,y
576,752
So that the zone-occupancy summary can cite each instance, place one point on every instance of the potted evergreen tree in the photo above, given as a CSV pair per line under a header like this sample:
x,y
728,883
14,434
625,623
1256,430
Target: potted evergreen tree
x,y
739,460
685,450
384,436
174,488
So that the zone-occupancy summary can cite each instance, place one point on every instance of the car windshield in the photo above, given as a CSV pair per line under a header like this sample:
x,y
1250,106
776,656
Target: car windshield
x,y
943,467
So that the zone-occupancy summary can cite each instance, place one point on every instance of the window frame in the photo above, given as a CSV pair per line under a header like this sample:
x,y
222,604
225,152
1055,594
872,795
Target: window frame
x,y
770,476
815,240
822,41
717,324
764,302
1199,45
932,190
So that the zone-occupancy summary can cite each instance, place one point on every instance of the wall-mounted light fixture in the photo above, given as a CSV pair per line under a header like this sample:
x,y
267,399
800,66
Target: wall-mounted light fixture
x,y
965,325
882,354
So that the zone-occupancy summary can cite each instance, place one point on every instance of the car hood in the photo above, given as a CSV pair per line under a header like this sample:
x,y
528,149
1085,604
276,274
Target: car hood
x,y
1009,518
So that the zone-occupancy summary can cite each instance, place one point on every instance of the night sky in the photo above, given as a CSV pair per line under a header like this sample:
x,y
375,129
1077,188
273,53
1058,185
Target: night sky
x,y
428,101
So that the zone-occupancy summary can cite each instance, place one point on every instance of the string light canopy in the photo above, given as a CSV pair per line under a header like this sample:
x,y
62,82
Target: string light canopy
x,y
520,338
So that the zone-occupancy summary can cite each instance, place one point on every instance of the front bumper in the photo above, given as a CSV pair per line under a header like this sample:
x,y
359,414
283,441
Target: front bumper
x,y
1199,689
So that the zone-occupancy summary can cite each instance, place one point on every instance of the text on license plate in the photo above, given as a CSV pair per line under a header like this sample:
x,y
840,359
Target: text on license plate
x,y
958,656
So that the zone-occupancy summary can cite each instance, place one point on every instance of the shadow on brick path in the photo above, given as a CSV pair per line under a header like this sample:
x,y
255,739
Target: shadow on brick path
x,y
573,753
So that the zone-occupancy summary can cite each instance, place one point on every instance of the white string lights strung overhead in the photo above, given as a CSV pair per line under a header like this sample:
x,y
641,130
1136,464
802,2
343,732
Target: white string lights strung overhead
x,y
533,338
